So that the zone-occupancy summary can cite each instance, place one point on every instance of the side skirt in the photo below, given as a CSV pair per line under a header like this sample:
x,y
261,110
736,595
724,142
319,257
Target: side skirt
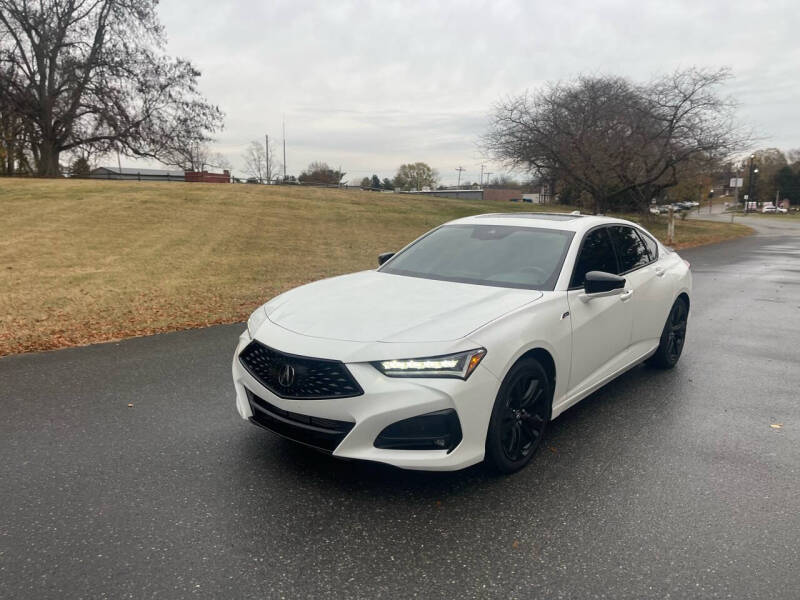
x,y
571,400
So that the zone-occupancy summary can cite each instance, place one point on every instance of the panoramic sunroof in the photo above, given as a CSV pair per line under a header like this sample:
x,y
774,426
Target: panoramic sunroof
x,y
538,216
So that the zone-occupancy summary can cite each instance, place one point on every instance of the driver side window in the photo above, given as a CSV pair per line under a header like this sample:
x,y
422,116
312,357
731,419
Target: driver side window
x,y
597,254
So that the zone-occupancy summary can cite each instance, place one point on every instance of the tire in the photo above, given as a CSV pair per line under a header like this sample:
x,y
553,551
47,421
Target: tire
x,y
673,337
519,417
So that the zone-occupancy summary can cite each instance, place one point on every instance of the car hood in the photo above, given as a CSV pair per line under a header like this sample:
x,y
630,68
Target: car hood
x,y
380,307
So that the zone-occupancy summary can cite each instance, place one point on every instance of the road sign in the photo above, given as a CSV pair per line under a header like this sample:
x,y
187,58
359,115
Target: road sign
x,y
736,182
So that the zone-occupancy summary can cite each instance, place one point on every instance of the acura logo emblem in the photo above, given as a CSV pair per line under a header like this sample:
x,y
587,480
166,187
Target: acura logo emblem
x,y
286,376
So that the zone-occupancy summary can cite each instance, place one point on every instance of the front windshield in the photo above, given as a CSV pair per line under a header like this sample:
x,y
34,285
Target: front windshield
x,y
498,255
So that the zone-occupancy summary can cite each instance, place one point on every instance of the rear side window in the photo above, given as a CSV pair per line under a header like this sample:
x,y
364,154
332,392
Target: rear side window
x,y
652,247
631,251
597,254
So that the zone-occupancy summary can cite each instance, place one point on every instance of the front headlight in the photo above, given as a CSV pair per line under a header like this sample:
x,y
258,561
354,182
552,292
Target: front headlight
x,y
458,366
256,320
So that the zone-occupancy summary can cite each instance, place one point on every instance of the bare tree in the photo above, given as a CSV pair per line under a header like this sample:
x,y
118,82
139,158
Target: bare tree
x,y
793,156
90,73
256,163
504,181
197,156
619,142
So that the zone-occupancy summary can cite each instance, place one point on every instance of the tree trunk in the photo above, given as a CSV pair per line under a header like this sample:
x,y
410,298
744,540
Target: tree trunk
x,y
48,159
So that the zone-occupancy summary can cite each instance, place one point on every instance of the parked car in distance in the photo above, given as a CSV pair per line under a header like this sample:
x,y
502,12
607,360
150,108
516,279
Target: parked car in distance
x,y
465,344
768,207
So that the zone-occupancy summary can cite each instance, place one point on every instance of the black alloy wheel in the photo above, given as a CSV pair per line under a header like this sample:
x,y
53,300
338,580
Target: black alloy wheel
x,y
673,336
677,331
523,418
520,416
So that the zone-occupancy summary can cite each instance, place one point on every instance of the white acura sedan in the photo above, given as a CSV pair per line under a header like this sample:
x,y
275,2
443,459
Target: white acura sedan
x,y
463,345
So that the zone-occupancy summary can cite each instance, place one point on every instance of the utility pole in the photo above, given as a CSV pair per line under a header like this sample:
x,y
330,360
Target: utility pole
x,y
284,151
487,176
266,147
481,174
459,169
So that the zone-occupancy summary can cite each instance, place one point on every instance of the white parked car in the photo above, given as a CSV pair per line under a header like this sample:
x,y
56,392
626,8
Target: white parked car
x,y
463,345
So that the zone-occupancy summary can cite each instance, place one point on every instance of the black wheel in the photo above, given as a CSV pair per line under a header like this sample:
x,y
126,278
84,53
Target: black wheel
x,y
672,337
519,417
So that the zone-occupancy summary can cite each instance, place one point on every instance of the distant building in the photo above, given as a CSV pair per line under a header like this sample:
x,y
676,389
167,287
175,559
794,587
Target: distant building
x,y
206,177
535,198
136,174
457,193
500,194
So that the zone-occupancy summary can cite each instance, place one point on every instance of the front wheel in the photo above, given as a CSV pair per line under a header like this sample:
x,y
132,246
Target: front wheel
x,y
673,337
519,417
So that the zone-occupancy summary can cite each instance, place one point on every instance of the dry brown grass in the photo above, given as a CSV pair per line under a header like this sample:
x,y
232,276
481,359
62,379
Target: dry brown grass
x,y
88,261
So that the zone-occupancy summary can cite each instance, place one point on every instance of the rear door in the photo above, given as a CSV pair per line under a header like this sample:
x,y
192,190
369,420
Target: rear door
x,y
601,327
638,263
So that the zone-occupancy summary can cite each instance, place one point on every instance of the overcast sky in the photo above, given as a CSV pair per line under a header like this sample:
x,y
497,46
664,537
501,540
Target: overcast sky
x,y
371,85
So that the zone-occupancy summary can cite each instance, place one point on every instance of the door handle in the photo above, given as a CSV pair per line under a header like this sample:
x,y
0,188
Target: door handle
x,y
624,296
660,272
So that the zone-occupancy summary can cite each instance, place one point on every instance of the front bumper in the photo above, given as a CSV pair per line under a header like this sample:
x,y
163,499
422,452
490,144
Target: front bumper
x,y
386,400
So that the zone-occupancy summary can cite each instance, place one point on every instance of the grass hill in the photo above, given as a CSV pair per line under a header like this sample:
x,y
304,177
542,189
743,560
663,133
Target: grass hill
x,y
87,261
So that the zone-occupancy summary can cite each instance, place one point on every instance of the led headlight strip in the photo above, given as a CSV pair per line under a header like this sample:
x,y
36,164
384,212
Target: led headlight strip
x,y
458,366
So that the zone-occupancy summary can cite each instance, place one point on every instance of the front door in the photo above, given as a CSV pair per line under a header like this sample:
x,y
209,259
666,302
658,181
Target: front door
x,y
601,326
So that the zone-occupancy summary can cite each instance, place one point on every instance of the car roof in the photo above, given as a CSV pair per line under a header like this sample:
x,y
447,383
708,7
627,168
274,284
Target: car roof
x,y
561,221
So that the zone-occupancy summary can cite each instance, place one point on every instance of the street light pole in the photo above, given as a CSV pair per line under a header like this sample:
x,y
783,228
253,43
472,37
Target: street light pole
x,y
750,184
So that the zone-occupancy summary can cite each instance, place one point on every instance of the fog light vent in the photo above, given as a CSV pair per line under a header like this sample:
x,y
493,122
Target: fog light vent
x,y
440,430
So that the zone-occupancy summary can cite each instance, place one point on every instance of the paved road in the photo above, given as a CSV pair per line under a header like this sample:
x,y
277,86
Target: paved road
x,y
662,484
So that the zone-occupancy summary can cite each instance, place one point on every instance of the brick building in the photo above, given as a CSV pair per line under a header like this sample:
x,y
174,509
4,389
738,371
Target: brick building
x,y
206,177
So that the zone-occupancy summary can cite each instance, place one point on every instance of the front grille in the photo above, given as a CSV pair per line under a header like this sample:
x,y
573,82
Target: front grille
x,y
323,434
298,377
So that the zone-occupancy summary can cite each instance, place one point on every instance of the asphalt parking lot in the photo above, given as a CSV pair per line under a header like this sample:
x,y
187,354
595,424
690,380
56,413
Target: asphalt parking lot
x,y
679,484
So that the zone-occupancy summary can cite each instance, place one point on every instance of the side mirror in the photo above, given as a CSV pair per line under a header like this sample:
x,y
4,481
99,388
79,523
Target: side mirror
x,y
598,282
382,258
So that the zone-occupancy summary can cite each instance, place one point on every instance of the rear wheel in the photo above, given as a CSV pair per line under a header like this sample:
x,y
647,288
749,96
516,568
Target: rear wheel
x,y
672,337
519,417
